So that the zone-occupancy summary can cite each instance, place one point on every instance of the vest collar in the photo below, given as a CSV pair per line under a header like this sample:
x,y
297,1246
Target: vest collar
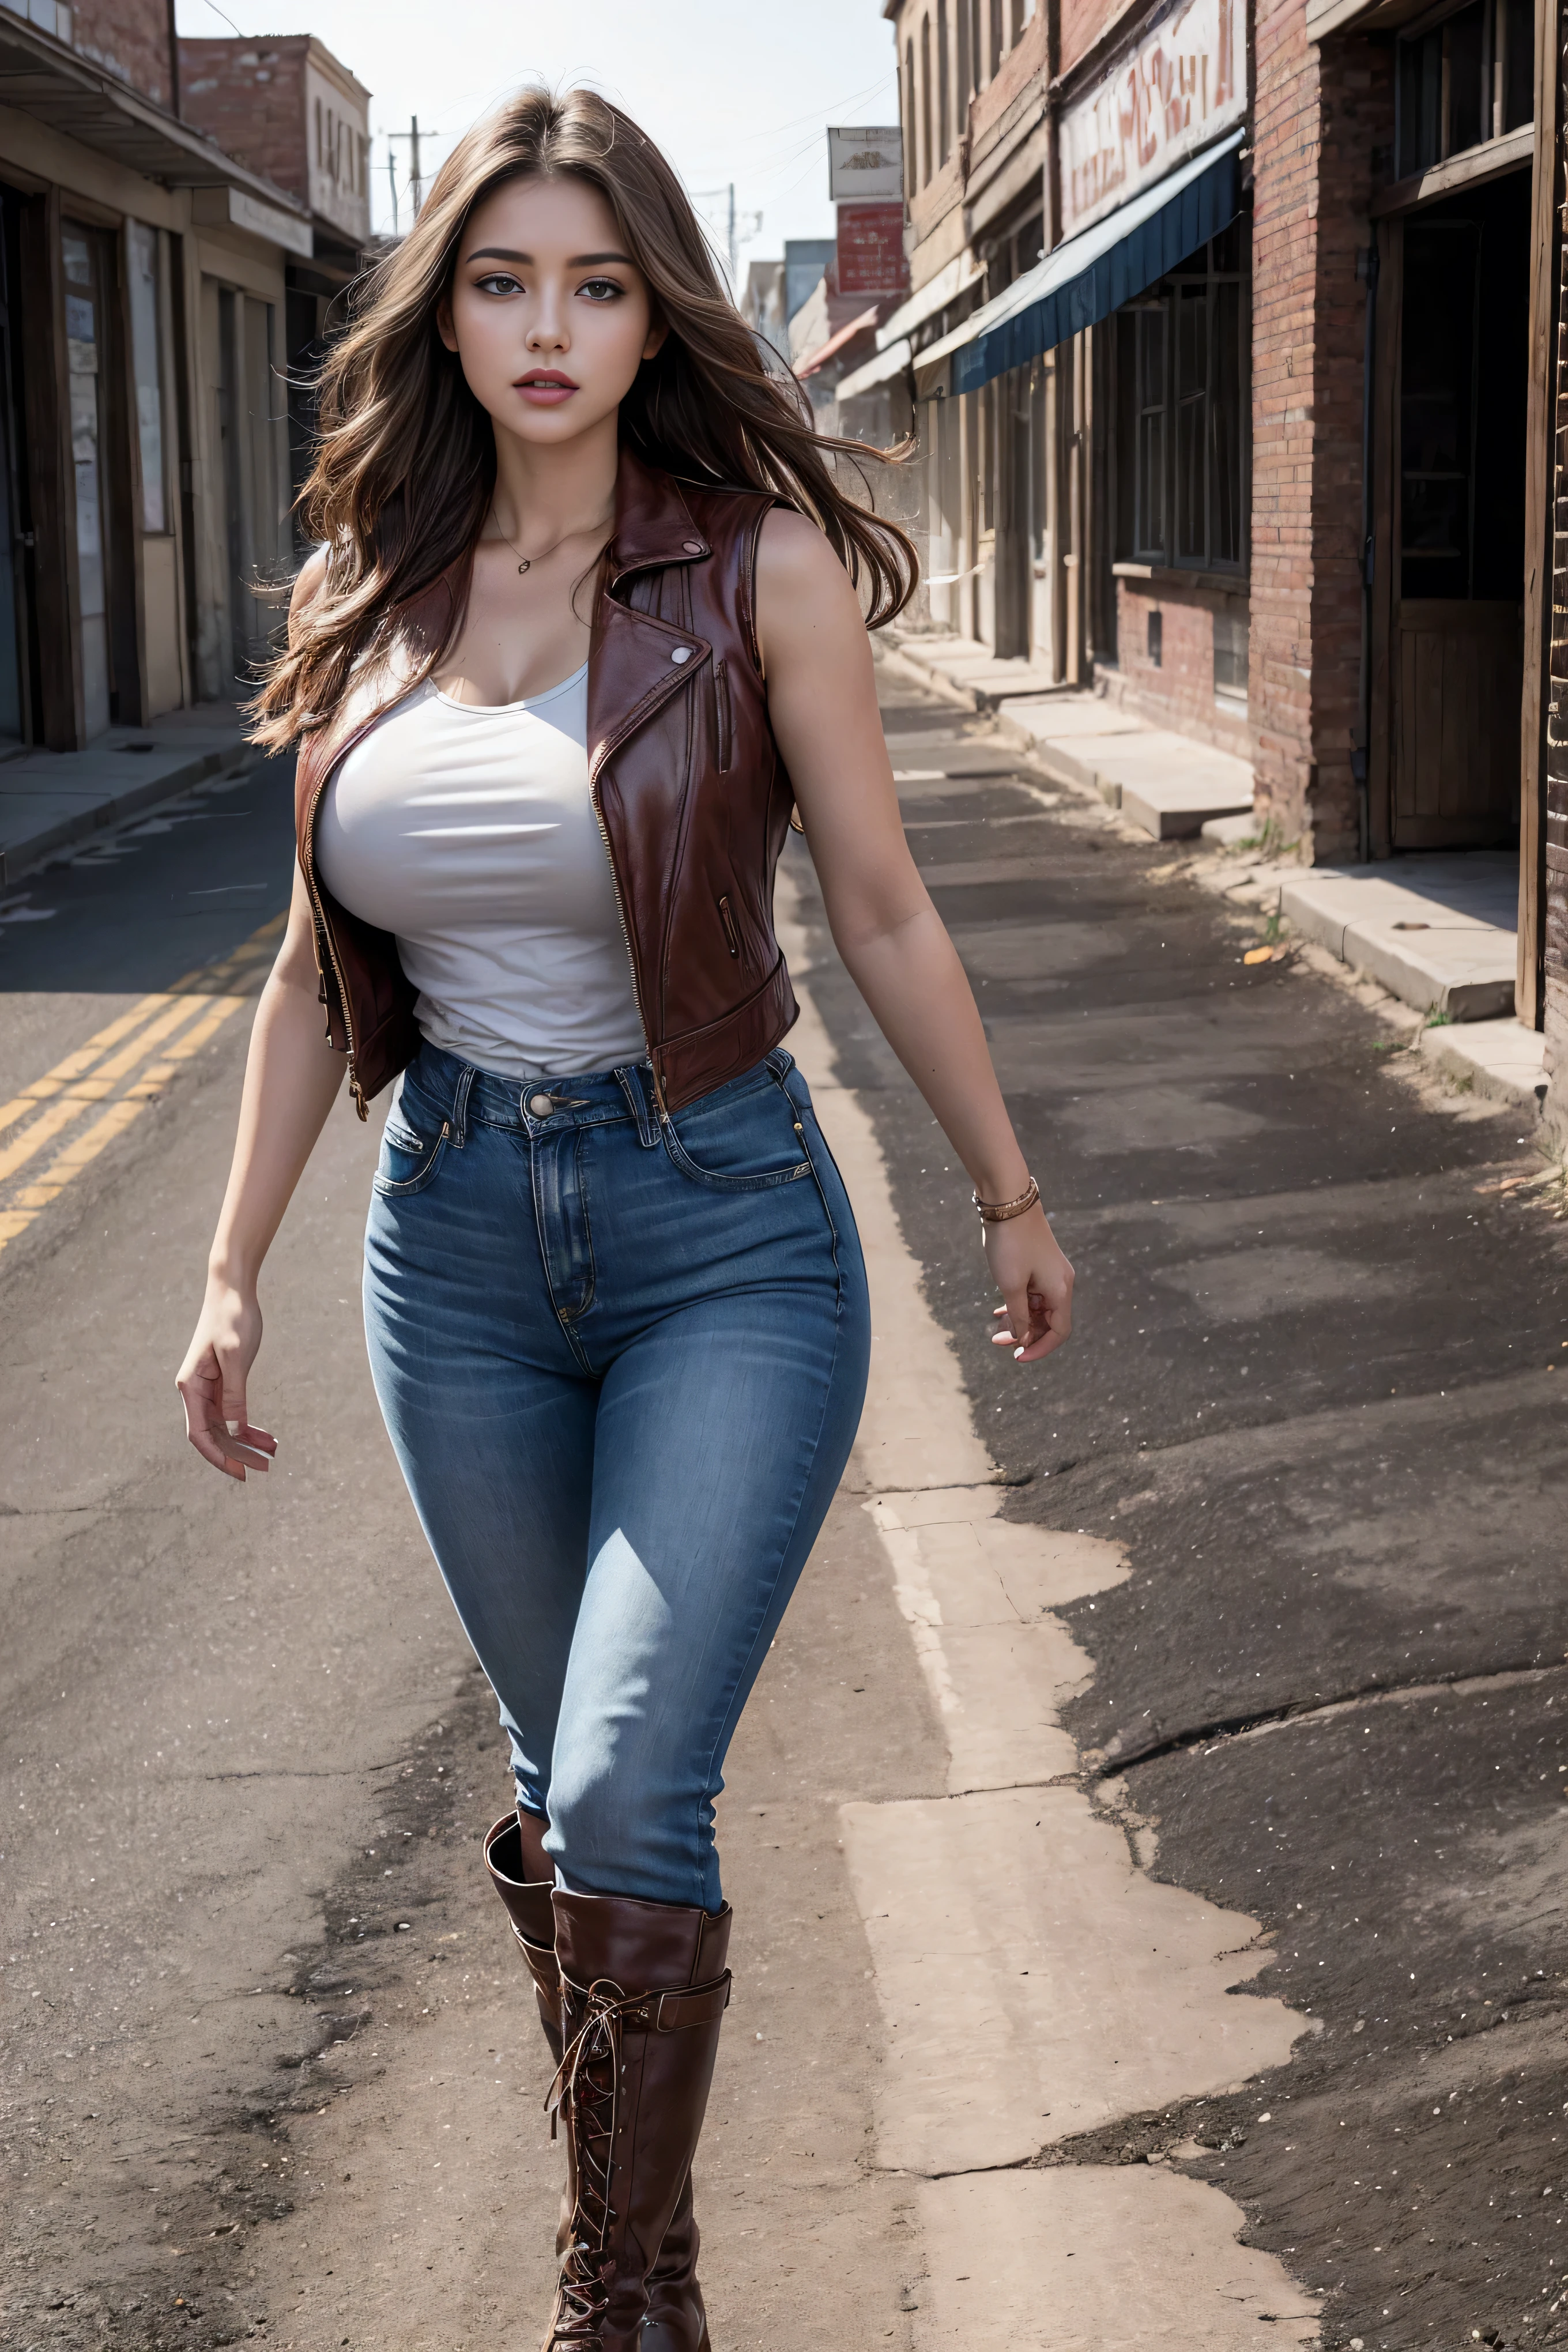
x,y
653,522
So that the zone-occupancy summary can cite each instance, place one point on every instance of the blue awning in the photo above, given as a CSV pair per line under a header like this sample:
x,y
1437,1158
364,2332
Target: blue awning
x,y
1091,275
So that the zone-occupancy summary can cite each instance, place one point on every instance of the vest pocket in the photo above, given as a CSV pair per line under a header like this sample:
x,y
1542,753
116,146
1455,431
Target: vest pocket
x,y
723,740
726,917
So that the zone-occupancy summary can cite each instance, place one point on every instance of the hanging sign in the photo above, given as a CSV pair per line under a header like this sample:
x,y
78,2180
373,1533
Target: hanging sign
x,y
865,165
1183,83
871,254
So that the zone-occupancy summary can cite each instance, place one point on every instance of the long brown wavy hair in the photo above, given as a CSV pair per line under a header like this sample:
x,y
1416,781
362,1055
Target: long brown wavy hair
x,y
404,469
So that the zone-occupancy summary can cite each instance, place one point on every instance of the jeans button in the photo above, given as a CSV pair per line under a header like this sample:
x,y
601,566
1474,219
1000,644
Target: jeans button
x,y
539,1106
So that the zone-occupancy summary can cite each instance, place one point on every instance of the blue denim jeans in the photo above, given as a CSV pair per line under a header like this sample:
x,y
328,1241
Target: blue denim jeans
x,y
622,1361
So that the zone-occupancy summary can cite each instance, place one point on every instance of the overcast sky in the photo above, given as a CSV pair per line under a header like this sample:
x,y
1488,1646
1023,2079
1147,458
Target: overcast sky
x,y
733,90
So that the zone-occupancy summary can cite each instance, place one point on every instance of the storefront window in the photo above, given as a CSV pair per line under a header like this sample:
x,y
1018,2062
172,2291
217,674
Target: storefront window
x,y
1465,79
1181,398
1150,502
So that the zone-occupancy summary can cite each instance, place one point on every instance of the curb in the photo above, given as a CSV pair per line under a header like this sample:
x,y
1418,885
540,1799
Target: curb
x,y
1496,1059
76,823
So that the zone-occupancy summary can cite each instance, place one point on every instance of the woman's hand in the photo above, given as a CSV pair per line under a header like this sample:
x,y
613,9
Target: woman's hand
x,y
211,1380
291,1075
1036,1281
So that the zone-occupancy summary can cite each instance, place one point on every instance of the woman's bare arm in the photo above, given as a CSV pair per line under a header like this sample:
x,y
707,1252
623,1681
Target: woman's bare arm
x,y
291,1077
823,701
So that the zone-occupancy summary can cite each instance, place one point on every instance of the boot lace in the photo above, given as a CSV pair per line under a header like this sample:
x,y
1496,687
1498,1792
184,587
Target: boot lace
x,y
585,2093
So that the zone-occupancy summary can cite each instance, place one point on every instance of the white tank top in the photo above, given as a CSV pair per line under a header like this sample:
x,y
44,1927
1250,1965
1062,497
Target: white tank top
x,y
469,833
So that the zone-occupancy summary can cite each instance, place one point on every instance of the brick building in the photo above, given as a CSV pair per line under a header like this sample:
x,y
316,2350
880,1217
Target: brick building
x,y
289,110
144,291
1227,350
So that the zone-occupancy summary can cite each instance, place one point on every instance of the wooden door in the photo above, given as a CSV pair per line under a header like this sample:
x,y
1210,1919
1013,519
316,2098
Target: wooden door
x,y
1459,673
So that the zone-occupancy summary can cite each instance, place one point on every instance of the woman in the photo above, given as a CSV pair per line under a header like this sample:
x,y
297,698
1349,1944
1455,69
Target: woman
x,y
582,628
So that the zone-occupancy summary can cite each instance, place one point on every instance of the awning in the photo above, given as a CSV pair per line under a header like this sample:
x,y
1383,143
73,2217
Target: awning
x,y
890,362
824,352
1091,275
41,77
956,278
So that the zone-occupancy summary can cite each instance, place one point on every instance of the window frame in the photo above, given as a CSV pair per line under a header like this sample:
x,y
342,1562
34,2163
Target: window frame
x,y
1155,435
1498,98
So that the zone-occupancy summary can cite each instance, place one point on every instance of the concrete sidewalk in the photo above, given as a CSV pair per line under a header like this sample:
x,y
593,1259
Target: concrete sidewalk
x,y
1436,929
49,800
1166,784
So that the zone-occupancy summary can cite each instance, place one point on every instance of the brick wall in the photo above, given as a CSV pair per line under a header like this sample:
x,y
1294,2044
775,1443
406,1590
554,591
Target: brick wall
x,y
250,97
1180,693
131,38
1023,62
1323,125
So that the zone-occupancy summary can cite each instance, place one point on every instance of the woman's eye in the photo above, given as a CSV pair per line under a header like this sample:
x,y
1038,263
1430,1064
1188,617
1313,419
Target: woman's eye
x,y
601,289
499,282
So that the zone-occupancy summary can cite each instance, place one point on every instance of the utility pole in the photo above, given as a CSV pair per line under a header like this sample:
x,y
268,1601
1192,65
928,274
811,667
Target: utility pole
x,y
737,228
415,170
392,183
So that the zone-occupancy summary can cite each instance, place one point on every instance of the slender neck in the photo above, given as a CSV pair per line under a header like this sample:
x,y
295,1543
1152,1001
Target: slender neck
x,y
543,492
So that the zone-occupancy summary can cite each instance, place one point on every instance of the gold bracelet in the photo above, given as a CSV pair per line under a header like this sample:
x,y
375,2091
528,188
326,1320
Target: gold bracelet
x,y
996,1212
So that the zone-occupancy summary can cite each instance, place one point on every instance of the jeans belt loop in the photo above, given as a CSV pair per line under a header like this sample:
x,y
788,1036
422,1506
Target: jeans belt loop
x,y
633,1080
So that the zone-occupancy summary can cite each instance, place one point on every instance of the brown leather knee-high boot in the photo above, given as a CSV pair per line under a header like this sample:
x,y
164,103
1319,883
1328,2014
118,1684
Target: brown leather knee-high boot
x,y
675,2320
643,1993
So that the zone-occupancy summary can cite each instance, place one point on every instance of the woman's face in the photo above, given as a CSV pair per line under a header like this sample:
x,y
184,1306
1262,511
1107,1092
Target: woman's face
x,y
549,316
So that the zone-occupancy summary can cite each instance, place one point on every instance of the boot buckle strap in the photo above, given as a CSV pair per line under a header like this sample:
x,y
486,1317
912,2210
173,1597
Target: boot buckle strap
x,y
703,2005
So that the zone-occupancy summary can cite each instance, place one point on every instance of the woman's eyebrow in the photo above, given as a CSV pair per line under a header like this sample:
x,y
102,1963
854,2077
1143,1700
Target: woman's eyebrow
x,y
578,260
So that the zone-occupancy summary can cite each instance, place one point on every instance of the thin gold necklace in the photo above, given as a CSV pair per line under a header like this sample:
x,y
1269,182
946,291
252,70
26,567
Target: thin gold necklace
x,y
527,562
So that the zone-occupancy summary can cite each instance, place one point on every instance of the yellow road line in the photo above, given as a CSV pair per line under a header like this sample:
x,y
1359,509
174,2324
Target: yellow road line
x,y
76,1063
68,1091
82,1060
86,1091
178,1014
194,1039
58,1115
76,1154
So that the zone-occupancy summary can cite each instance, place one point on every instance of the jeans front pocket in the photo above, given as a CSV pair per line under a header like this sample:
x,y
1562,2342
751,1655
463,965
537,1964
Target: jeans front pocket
x,y
736,1139
408,1160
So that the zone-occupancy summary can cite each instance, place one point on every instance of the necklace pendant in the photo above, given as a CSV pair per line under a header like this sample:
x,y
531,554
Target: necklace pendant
x,y
526,565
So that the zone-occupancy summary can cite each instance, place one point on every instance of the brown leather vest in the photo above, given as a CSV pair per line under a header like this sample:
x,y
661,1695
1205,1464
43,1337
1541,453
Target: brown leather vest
x,y
688,785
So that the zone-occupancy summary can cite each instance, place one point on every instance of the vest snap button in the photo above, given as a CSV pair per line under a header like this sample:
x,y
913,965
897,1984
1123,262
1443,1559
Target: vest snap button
x,y
539,1106
692,546
682,654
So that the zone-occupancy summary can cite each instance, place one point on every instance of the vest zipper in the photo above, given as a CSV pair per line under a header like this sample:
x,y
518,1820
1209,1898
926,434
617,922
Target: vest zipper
x,y
324,930
728,919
